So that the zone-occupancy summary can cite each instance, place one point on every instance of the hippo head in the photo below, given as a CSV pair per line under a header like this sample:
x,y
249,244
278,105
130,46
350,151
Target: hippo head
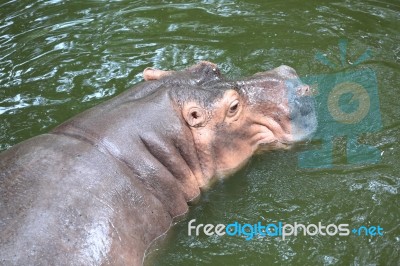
x,y
231,120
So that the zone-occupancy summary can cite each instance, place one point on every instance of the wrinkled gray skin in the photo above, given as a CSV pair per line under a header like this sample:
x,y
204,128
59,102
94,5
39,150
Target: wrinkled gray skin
x,y
99,188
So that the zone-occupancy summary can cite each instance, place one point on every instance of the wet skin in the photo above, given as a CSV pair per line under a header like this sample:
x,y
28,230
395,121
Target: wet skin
x,y
101,187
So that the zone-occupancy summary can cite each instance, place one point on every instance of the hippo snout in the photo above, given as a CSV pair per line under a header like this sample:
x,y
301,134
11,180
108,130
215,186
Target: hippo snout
x,y
286,104
302,116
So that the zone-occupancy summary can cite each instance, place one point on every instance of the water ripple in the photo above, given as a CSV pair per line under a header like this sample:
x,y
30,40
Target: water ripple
x,y
23,101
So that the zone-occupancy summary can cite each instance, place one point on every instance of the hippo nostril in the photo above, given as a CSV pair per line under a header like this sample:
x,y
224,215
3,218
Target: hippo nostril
x,y
304,90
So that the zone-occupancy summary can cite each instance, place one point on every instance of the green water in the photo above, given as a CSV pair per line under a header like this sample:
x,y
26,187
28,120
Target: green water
x,y
58,58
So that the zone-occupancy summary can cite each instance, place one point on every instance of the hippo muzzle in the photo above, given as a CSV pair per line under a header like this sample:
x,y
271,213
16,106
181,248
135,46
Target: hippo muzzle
x,y
286,104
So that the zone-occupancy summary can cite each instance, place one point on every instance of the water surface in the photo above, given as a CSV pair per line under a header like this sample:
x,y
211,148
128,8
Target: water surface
x,y
58,58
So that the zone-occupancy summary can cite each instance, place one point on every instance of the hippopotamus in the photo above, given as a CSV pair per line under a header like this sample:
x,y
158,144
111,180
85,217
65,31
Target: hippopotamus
x,y
102,186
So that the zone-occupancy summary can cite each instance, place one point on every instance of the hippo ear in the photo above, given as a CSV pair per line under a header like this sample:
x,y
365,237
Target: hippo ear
x,y
154,74
194,115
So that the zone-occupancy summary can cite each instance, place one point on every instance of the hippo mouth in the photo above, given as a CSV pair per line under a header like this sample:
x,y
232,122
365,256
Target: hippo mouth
x,y
303,127
274,145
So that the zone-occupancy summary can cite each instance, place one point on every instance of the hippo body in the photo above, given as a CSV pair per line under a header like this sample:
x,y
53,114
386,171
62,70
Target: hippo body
x,y
101,187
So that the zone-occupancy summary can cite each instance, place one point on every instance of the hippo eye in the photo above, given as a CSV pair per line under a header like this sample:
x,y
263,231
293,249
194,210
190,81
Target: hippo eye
x,y
234,107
